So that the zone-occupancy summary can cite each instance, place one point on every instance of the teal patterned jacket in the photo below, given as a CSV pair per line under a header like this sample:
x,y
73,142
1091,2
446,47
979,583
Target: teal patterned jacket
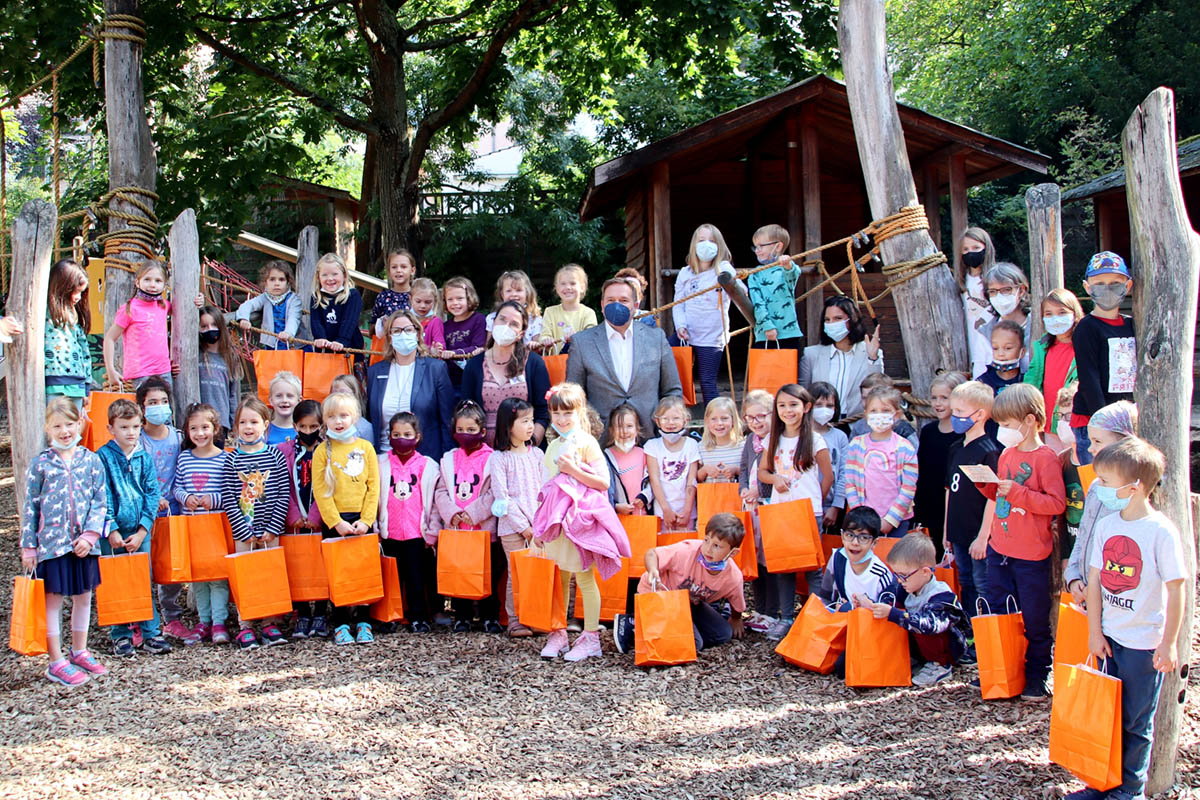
x,y
68,360
773,294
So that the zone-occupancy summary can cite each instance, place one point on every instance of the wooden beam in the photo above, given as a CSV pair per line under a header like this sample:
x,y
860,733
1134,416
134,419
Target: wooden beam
x,y
659,223
1043,208
32,252
939,157
932,199
958,195
927,306
810,158
184,241
794,181
306,275
282,251
1166,269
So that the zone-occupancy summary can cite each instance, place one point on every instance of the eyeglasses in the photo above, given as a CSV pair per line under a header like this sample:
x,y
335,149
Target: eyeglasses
x,y
409,329
764,246
857,538
903,578
1007,291
756,417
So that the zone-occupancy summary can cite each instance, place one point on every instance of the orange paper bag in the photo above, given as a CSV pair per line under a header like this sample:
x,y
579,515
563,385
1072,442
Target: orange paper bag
x,y
747,554
259,583
829,543
268,363
319,371
307,580
613,593
123,595
537,591
464,564
816,639
1085,725
1071,638
884,545
643,535
377,344
169,553
1000,647
27,628
770,369
207,545
390,607
683,363
672,537
97,434
714,498
876,651
663,629
556,366
949,576
790,539
352,567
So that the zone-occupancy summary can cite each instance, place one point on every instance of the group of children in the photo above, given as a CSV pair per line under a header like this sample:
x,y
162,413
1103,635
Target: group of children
x,y
298,466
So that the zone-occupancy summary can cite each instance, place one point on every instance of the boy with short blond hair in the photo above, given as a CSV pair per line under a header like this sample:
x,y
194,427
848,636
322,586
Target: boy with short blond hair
x,y
773,291
1135,599
968,512
1020,539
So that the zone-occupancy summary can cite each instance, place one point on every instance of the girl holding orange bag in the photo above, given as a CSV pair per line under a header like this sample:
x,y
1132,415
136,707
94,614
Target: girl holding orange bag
x,y
61,524
345,480
721,444
337,305
285,393
303,516
672,461
627,486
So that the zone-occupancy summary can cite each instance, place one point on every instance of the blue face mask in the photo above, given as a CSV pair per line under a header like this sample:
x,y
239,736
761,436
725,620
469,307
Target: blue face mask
x,y
158,415
348,435
404,343
961,425
242,444
713,566
57,445
1108,496
617,314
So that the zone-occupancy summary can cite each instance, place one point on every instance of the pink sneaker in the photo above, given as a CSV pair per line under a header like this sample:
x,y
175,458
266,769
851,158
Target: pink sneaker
x,y
177,630
220,635
202,631
88,663
586,646
137,636
556,644
66,673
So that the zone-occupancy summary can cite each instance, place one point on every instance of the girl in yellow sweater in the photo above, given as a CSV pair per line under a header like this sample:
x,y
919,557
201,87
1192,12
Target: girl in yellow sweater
x,y
345,481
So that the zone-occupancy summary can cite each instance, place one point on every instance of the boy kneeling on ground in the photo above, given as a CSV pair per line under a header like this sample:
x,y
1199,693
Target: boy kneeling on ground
x,y
927,608
706,570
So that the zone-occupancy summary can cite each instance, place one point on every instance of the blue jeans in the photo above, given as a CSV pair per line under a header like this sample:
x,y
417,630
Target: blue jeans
x,y
1082,442
151,627
1140,685
1028,582
212,601
708,626
972,577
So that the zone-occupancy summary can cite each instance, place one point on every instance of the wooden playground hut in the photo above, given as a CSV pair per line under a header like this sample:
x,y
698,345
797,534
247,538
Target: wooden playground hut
x,y
789,158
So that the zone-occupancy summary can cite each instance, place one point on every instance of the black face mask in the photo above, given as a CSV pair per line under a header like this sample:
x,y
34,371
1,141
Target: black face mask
x,y
973,259
308,439
210,336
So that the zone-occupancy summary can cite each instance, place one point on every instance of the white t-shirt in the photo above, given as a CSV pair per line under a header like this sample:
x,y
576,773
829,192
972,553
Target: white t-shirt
x,y
804,484
872,580
673,470
1135,560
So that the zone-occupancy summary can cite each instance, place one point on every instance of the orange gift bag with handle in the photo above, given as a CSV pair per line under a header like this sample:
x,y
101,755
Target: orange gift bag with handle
x,y
1000,646
829,543
353,569
713,498
876,651
97,434
816,639
124,593
683,363
556,366
207,545
377,344
307,580
268,363
319,371
464,564
769,369
27,627
884,545
259,583
663,629
1071,638
613,593
790,539
390,607
672,537
747,555
949,576
169,552
537,591
642,530
1085,724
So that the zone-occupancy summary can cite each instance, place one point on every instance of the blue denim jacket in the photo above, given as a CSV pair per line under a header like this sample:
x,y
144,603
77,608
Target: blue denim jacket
x,y
132,487
62,501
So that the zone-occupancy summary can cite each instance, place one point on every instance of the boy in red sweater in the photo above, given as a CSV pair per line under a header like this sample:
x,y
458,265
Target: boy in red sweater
x,y
1028,497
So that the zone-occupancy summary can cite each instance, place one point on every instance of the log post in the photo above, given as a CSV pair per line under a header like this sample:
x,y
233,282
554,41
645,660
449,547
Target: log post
x,y
306,275
32,251
659,223
1166,272
928,307
131,159
184,242
1043,209
958,196
810,158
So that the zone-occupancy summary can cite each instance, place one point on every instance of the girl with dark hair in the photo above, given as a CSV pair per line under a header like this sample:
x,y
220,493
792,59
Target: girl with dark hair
x,y
508,369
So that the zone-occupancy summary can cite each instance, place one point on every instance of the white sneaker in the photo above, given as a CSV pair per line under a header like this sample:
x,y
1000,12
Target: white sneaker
x,y
556,644
759,623
931,673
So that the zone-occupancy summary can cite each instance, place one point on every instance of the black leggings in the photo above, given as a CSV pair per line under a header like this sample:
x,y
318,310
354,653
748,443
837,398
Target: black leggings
x,y
413,568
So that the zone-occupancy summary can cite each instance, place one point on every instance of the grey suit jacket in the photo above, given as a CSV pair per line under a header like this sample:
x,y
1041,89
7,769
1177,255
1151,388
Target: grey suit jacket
x,y
590,364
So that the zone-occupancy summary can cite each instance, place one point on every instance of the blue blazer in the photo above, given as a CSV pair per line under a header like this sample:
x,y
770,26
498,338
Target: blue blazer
x,y
432,401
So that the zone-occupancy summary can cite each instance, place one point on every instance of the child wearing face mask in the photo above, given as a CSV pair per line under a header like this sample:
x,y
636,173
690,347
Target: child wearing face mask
x,y
426,303
1052,361
855,575
672,461
627,483
1020,540
1008,292
881,466
826,409
278,305
1105,346
859,427
933,453
773,291
1008,348
303,515
142,321
220,369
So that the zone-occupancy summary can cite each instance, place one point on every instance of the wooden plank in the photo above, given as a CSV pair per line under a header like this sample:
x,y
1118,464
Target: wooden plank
x,y
1043,208
958,196
32,252
184,242
306,275
810,159
659,214
928,302
932,200
1166,264
282,251
795,201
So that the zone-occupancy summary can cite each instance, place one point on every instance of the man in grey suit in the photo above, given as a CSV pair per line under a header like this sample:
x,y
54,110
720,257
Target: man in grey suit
x,y
618,362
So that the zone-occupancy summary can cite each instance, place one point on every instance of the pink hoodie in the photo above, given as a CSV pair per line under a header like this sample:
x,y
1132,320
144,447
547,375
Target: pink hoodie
x,y
585,517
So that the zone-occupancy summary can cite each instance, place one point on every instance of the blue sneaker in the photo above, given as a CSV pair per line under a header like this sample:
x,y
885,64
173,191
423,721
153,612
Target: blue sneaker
x,y
623,632
320,628
362,634
123,648
1086,793
342,635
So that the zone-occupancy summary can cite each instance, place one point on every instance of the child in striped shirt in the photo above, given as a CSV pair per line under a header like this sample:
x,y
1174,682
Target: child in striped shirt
x,y
721,444
881,466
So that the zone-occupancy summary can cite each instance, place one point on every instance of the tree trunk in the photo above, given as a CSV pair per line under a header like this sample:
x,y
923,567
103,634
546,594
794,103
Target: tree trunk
x,y
1043,209
1166,268
928,307
184,241
131,159
306,275
368,222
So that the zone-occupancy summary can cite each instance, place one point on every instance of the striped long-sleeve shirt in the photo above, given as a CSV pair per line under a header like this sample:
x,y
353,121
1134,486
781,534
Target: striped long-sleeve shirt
x,y
201,477
254,492
882,475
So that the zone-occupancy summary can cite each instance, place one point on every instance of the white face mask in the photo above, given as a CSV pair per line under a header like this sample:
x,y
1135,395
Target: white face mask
x,y
823,415
503,335
1009,437
1063,429
624,446
706,251
1058,324
1005,303
837,330
881,421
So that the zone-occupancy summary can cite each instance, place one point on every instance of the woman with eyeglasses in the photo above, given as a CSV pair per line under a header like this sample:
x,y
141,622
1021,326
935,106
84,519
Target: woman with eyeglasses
x,y
845,355
507,368
1008,293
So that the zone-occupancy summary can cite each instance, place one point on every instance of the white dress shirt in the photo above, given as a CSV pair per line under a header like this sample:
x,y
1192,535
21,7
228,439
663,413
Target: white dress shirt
x,y
620,347
397,396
